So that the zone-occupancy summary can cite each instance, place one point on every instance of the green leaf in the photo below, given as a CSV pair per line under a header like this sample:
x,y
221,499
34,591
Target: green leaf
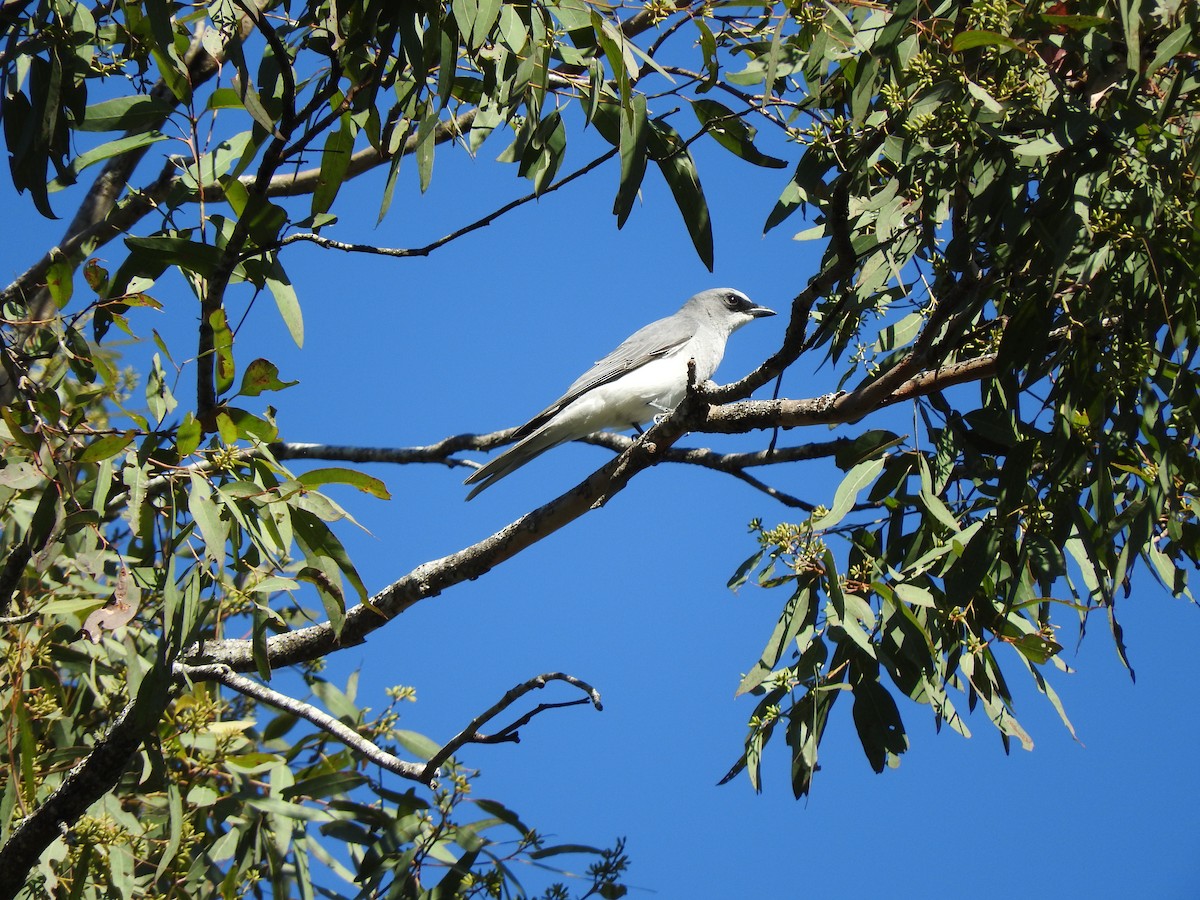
x,y
158,395
671,154
105,151
732,132
847,492
330,785
335,161
174,829
969,40
170,67
286,300
252,103
870,444
223,349
932,502
187,436
743,571
426,146
633,132
798,613
1038,148
132,113
877,720
60,278
1171,46
262,375
135,478
1036,648
245,426
204,510
175,251
106,447
276,807
334,475
1077,22
417,744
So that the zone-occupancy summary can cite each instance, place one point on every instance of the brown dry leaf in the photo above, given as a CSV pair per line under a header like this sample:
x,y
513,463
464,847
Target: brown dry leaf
x,y
119,611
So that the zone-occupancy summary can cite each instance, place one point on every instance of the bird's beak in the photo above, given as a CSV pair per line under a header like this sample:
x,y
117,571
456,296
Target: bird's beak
x,y
760,312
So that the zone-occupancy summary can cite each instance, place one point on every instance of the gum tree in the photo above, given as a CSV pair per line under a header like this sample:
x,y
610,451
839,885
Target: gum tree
x,y
1006,196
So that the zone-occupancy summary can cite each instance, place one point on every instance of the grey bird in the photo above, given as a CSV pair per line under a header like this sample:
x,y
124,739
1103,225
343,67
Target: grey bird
x,y
643,378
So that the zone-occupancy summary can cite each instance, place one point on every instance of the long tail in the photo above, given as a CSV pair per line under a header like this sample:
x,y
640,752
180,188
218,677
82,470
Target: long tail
x,y
513,458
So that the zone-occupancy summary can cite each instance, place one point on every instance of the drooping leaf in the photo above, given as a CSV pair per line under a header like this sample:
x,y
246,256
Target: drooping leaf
x,y
668,150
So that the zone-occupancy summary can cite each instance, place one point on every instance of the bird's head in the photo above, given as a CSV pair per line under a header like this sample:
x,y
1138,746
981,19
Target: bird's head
x,y
726,308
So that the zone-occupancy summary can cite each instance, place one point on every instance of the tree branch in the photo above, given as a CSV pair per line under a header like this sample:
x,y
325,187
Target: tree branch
x,y
344,733
431,578
441,452
101,199
471,734
19,620
14,568
751,415
86,783
330,244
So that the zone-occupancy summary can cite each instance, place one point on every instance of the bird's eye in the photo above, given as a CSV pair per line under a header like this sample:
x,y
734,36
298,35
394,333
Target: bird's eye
x,y
733,301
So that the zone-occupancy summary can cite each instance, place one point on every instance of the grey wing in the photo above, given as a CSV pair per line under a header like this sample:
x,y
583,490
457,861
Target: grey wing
x,y
652,342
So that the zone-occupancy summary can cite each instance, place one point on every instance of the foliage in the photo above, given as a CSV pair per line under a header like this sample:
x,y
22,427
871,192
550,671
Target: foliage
x,y
1017,189
1007,194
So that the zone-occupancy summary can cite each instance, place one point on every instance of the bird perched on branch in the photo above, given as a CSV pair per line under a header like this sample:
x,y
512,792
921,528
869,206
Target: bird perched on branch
x,y
645,377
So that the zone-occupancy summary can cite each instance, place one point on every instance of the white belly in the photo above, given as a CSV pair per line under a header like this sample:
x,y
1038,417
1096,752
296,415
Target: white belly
x,y
634,398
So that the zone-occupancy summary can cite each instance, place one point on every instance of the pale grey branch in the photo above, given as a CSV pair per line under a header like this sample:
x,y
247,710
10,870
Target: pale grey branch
x,y
344,733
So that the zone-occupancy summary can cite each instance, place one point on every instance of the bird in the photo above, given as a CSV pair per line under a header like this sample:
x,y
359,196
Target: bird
x,y
644,378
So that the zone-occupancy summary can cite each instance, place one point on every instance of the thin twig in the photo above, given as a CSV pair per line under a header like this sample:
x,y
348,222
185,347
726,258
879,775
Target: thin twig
x,y
331,244
510,733
471,734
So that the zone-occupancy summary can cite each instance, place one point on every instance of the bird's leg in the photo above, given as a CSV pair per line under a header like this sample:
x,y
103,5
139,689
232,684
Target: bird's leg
x,y
662,413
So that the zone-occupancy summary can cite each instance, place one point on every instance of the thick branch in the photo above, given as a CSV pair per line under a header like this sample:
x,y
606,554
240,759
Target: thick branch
x,y
471,734
695,414
90,780
431,578
751,415
344,733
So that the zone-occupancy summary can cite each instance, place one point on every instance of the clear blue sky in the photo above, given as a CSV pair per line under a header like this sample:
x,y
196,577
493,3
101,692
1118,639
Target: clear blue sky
x,y
632,598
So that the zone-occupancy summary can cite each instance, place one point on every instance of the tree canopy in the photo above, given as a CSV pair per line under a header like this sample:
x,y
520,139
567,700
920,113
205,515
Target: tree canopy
x,y
1005,198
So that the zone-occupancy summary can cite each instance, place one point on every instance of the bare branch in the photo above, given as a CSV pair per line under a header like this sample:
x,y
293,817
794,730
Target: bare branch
x,y
431,578
833,409
646,18
344,733
19,620
433,453
330,244
471,734
440,452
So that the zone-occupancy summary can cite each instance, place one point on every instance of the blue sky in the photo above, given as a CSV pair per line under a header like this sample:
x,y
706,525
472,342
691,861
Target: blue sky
x,y
632,597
